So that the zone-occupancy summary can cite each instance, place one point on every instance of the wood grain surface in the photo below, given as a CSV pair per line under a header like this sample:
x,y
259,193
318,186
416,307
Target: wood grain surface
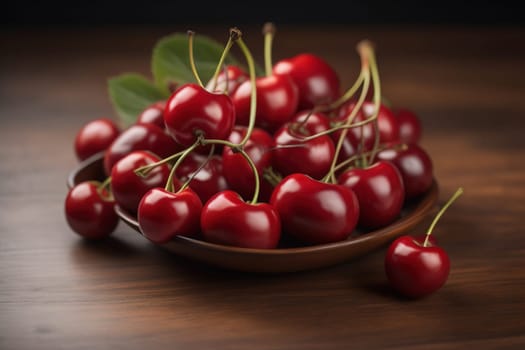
x,y
60,292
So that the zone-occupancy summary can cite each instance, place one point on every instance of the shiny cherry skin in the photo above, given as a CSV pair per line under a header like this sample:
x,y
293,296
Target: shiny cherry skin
x,y
153,114
237,170
413,270
386,120
94,137
137,137
227,219
129,188
228,80
277,99
162,215
379,190
292,155
192,110
409,126
415,166
315,212
89,211
209,180
310,123
317,81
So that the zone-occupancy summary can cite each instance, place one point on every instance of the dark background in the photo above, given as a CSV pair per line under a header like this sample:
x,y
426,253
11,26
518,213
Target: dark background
x,y
163,12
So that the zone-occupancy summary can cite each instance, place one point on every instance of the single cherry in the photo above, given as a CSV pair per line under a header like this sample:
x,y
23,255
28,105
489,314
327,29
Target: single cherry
x,y
237,170
227,219
277,99
146,137
192,111
89,210
409,126
207,180
386,120
309,123
315,212
379,190
291,154
94,137
153,114
128,187
415,166
317,82
162,215
416,266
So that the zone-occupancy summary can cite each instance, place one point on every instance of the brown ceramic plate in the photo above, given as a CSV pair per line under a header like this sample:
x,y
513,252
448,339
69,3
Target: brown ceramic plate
x,y
286,259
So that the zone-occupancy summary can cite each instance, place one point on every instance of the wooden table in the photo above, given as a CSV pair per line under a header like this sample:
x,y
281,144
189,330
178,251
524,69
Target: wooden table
x,y
59,292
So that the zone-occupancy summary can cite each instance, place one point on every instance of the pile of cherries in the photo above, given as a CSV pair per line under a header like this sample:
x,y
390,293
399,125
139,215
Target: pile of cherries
x,y
255,161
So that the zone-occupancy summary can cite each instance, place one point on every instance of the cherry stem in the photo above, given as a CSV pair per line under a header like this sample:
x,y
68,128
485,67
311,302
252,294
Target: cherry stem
x,y
191,35
185,153
253,94
201,166
271,176
144,170
229,44
458,193
269,32
351,116
368,67
237,148
368,49
331,130
104,185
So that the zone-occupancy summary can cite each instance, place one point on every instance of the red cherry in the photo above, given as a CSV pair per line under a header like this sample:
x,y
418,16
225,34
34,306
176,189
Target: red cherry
x,y
232,77
416,266
146,137
162,215
387,123
237,170
90,211
210,178
379,190
227,219
94,137
317,81
415,270
315,212
309,123
292,155
129,188
192,110
409,126
277,99
415,166
153,114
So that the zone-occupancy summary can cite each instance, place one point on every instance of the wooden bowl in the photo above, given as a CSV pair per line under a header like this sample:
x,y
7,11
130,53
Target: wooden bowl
x,y
285,259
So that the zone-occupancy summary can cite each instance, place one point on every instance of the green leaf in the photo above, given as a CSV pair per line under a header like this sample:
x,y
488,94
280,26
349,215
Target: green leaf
x,y
130,94
171,63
